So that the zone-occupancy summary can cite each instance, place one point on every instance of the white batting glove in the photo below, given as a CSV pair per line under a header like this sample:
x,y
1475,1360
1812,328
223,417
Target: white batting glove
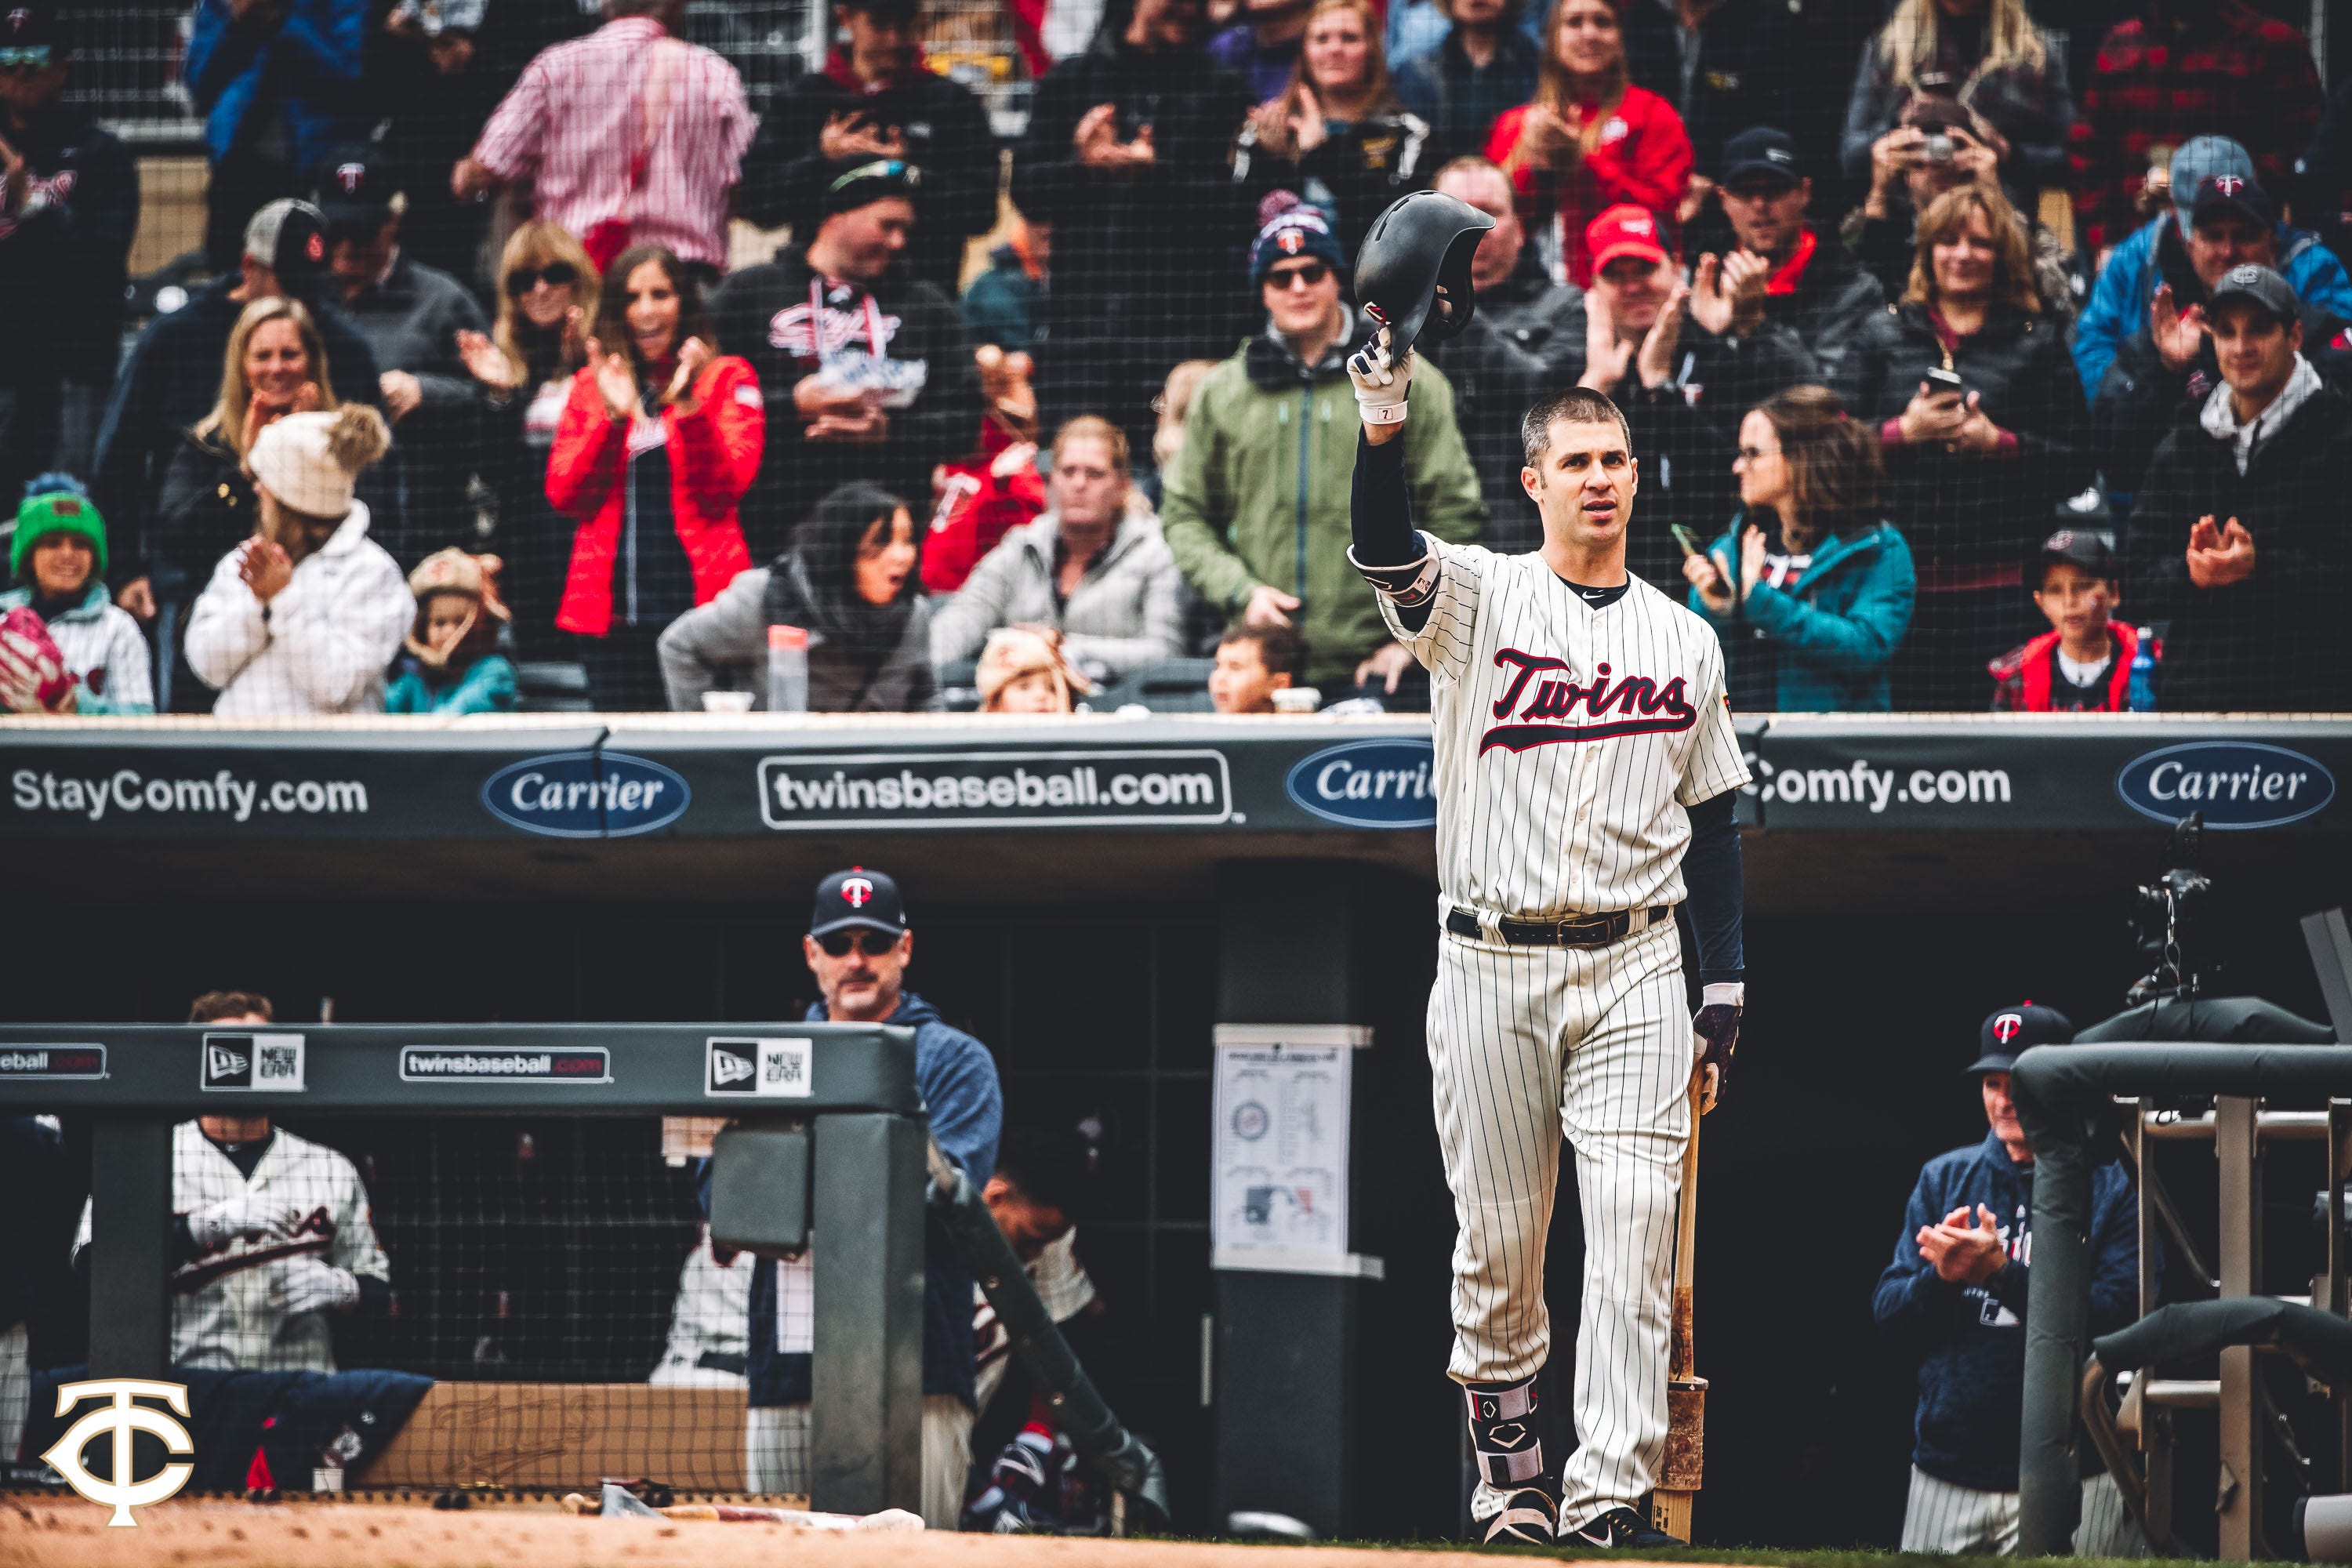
x,y
246,1217
1381,381
307,1285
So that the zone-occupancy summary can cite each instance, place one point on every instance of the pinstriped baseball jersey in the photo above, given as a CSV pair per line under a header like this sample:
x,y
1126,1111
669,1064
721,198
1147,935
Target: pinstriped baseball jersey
x,y
1569,738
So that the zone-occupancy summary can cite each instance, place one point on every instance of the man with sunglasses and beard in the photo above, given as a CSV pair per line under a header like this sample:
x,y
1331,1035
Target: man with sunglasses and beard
x,y
858,946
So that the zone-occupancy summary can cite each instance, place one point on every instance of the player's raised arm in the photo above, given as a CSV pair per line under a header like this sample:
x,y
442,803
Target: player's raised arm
x,y
1386,549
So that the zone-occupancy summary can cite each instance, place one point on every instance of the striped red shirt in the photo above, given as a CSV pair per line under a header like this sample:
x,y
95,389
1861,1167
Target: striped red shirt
x,y
576,121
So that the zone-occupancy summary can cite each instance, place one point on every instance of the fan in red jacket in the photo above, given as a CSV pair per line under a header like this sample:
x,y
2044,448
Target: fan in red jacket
x,y
976,500
654,450
1588,140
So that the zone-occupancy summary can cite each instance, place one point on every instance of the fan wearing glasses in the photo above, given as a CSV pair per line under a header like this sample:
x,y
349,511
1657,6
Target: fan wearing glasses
x,y
858,946
1256,507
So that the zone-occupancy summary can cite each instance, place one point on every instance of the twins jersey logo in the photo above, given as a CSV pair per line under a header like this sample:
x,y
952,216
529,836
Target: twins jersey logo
x,y
790,330
44,190
1545,712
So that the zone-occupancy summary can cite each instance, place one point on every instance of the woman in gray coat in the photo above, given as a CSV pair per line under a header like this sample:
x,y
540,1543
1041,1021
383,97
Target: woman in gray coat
x,y
849,582
1093,568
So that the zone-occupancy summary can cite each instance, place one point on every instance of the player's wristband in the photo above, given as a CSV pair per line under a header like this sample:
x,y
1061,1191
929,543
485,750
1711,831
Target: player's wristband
x,y
1382,412
1729,993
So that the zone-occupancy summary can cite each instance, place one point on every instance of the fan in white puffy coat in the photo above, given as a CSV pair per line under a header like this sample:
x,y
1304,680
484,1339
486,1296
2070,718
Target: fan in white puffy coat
x,y
306,616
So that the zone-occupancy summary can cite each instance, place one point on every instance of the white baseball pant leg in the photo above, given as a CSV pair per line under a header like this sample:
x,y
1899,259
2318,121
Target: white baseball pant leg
x,y
1528,1044
1958,1520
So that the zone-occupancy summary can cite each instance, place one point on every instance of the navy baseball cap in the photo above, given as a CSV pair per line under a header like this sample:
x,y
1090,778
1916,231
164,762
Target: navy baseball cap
x,y
352,188
2258,285
1760,153
2010,1030
2219,196
858,897
2074,546
2200,159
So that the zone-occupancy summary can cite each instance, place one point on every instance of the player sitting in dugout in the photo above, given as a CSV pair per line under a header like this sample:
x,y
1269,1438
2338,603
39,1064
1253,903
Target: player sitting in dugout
x,y
270,1233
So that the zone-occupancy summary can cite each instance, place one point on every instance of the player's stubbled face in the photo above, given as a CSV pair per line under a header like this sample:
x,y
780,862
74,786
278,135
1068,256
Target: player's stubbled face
x,y
1584,483
861,987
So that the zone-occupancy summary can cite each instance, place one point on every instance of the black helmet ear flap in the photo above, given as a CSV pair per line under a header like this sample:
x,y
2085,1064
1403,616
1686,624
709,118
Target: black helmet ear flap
x,y
1423,240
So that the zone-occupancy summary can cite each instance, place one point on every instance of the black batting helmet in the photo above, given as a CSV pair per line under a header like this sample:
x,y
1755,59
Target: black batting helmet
x,y
1423,240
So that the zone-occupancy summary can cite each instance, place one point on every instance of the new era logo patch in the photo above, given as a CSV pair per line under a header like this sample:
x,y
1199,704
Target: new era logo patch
x,y
272,1063
761,1068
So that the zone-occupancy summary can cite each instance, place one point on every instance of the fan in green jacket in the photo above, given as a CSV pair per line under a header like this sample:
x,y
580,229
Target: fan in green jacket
x,y
1256,509
1808,591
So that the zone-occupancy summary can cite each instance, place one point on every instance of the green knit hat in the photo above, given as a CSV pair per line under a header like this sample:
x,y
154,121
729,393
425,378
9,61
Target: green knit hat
x,y
55,511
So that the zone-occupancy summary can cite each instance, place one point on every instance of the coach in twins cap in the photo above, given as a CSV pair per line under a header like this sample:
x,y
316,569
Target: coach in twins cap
x,y
2007,1034
858,897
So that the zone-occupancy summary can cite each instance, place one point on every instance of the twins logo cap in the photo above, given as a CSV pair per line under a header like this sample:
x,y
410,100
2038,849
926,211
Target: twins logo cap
x,y
2008,1032
858,897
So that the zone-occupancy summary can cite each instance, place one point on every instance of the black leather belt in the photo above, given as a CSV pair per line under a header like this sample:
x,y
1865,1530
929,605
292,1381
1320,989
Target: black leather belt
x,y
722,1360
1576,931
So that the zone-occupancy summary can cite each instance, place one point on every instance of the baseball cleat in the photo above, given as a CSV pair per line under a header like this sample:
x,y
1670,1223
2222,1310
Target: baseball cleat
x,y
1619,1528
1529,1518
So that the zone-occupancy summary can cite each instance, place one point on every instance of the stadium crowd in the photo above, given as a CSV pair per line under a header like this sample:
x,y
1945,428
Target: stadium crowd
x,y
2049,326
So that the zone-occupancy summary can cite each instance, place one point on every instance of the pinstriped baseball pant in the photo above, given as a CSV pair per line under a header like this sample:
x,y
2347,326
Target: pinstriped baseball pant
x,y
1526,1044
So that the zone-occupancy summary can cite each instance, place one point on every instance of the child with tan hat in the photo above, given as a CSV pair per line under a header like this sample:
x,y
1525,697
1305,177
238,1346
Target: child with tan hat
x,y
454,663
304,617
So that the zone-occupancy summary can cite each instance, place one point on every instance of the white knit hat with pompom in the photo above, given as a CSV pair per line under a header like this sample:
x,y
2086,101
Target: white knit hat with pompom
x,y
312,461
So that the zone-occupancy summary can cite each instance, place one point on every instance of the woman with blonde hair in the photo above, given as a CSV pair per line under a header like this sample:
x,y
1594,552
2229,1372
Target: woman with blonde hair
x,y
1339,124
1589,138
1981,423
1987,53
275,365
1809,588
547,314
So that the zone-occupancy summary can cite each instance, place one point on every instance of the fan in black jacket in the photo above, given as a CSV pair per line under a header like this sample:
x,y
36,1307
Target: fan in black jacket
x,y
2238,552
868,377
1146,223
875,98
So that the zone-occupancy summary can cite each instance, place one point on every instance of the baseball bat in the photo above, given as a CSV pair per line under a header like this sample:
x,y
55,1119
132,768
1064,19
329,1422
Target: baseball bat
x,y
1678,1477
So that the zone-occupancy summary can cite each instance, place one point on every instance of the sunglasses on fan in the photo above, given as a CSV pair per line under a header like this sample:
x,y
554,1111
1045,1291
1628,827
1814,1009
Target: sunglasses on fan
x,y
872,942
555,274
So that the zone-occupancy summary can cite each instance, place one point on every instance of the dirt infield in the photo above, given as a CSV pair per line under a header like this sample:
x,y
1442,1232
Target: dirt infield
x,y
40,1533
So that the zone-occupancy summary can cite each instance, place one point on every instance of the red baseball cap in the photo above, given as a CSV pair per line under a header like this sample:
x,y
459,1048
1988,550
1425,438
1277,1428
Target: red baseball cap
x,y
1623,230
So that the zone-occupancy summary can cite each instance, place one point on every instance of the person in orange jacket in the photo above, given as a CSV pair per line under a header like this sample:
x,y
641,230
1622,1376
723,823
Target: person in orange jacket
x,y
657,444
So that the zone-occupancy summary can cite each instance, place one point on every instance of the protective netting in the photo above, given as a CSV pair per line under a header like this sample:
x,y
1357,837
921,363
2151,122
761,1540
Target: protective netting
x,y
1087,193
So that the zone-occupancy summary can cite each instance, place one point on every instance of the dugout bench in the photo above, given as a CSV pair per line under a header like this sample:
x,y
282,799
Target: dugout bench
x,y
840,1099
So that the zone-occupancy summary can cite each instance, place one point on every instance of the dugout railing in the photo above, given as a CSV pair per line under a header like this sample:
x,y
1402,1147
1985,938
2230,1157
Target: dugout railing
x,y
848,1091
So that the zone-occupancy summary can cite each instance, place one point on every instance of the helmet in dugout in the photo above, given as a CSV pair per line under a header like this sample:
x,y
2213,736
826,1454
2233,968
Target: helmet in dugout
x,y
1422,244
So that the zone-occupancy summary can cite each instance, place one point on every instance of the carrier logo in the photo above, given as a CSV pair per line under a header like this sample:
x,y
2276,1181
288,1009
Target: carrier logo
x,y
768,1070
52,1061
2236,783
1009,789
120,1418
586,794
272,1062
470,1064
1367,784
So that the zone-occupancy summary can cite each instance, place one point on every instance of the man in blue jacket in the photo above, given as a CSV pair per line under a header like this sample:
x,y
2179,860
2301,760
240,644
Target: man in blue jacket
x,y
1955,1296
277,82
2159,252
858,946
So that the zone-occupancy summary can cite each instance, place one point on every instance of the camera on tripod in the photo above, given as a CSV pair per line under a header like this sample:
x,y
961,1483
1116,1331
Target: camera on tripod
x,y
2169,911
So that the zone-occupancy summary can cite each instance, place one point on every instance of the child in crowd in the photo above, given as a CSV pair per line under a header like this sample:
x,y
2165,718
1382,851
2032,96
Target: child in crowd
x,y
57,558
453,664
1023,671
1252,664
2083,664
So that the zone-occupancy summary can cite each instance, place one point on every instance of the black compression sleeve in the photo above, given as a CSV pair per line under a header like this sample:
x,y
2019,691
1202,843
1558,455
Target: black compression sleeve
x,y
1712,878
1380,508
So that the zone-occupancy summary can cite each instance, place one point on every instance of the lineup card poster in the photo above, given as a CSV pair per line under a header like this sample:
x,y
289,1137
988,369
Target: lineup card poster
x,y
1281,1149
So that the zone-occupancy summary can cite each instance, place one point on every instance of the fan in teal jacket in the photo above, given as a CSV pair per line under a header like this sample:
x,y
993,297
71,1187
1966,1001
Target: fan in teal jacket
x,y
1824,645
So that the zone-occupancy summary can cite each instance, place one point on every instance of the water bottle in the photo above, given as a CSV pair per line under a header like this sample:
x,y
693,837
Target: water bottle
x,y
787,669
2142,695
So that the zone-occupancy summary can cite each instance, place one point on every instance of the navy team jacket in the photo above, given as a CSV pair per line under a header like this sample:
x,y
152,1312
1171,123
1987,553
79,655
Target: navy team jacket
x,y
1970,1339
957,1080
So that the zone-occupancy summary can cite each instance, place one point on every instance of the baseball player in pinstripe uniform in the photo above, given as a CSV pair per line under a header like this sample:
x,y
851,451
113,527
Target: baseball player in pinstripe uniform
x,y
1586,767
